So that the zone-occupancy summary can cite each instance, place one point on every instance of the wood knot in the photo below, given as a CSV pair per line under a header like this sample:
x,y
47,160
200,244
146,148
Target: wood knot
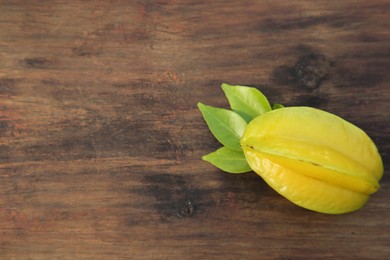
x,y
309,71
186,209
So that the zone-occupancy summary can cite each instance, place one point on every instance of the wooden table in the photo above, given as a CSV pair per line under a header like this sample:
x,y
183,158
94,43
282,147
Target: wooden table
x,y
101,140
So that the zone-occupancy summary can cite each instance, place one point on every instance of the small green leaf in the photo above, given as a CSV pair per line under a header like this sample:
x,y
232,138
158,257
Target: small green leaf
x,y
248,102
228,160
227,126
277,106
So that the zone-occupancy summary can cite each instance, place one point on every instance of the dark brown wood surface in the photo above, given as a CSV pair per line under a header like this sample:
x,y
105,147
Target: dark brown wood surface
x,y
101,140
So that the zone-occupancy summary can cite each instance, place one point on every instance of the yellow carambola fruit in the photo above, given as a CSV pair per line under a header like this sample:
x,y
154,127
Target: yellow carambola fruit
x,y
313,158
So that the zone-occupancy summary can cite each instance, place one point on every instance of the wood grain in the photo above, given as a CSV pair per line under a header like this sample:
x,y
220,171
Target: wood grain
x,y
101,140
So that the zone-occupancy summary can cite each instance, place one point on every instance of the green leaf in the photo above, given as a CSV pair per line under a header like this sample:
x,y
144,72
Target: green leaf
x,y
248,102
228,160
277,106
227,126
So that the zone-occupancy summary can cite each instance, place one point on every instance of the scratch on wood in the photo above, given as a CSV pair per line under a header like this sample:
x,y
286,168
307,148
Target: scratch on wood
x,y
38,62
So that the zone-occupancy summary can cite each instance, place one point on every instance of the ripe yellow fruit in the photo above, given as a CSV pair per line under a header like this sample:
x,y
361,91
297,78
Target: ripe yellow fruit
x,y
313,158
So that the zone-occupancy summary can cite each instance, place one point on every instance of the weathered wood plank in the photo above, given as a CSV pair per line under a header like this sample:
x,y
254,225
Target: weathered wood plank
x,y
101,140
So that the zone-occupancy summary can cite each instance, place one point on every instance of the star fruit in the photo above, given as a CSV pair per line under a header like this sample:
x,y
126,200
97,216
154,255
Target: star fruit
x,y
313,158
